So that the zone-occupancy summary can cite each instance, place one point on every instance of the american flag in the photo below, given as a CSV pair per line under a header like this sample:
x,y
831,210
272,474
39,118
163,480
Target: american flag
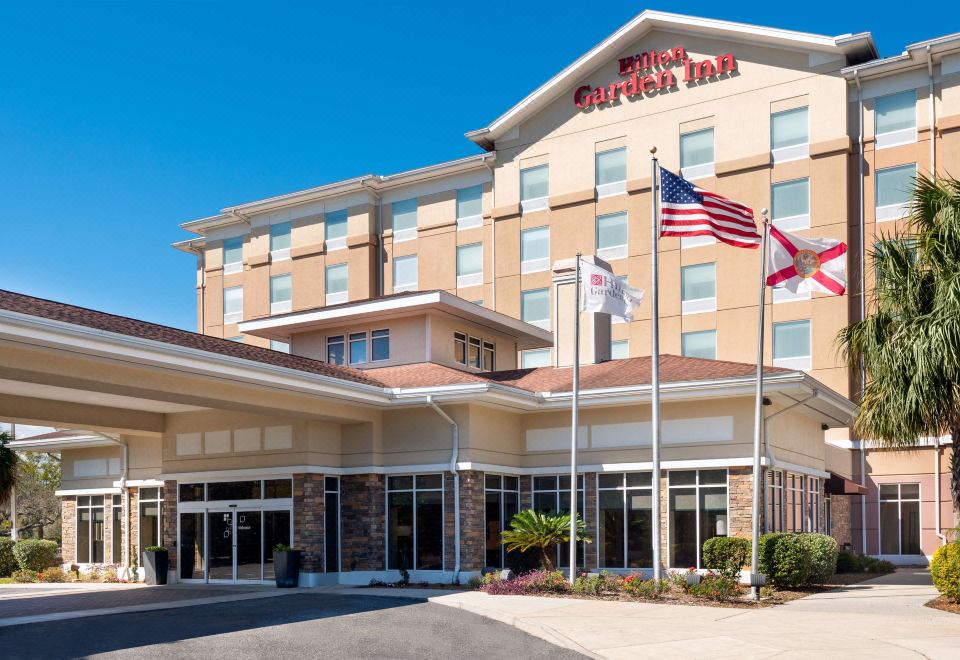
x,y
687,210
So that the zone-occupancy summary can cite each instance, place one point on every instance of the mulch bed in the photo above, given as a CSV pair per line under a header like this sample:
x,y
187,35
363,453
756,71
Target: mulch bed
x,y
945,604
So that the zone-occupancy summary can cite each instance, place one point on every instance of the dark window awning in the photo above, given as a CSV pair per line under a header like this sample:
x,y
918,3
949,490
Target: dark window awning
x,y
838,485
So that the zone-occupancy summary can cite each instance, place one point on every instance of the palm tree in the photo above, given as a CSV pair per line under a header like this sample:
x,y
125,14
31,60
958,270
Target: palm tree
x,y
909,345
8,468
541,531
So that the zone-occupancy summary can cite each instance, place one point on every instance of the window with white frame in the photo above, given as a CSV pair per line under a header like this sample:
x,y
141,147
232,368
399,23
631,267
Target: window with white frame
x,y
336,284
698,288
335,349
535,307
896,119
612,236
415,522
699,344
534,188
469,265
90,512
380,345
790,134
238,339
116,516
774,501
501,504
900,519
358,348
280,241
233,255
469,207
625,520
151,517
696,154
281,294
791,344
404,220
893,188
535,358
611,167
535,249
697,512
233,304
335,230
279,346
552,494
790,204
405,273
619,349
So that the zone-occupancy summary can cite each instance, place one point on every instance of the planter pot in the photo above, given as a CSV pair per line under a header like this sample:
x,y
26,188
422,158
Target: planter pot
x,y
286,568
155,565
692,579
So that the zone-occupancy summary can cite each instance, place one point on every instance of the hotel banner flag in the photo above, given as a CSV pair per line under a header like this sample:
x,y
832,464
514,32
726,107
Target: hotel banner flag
x,y
604,293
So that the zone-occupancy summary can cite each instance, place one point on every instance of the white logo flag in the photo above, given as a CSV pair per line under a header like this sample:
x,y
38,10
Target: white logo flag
x,y
603,292
806,264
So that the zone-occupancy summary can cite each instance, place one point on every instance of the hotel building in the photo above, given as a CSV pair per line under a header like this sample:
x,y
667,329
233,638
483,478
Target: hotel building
x,y
381,370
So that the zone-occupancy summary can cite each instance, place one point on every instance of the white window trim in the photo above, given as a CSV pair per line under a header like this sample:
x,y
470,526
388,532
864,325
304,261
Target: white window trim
x,y
233,317
335,243
281,307
687,242
798,363
701,171
793,152
892,212
473,279
535,204
538,351
470,222
697,486
543,324
611,189
896,138
400,288
401,235
233,267
535,265
338,297
793,222
698,306
280,255
900,500
613,252
413,490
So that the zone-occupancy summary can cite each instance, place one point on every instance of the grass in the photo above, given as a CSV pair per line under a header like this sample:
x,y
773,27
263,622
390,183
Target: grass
x,y
7,580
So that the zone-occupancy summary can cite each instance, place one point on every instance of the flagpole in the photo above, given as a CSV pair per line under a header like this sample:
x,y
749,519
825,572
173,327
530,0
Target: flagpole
x,y
655,365
574,422
758,418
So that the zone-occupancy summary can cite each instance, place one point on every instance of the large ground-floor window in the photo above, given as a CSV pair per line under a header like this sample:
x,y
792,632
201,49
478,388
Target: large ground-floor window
x,y
552,494
793,502
331,524
698,511
415,522
624,504
900,519
90,529
151,517
502,502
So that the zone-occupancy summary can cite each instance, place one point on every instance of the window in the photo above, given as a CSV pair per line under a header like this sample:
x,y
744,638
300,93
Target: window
x,y
151,517
813,504
234,490
274,489
279,346
90,529
502,502
534,188
900,519
611,172
336,284
335,349
116,517
624,504
473,352
335,230
405,273
696,154
893,187
380,345
281,294
534,249
404,220
469,207
701,344
535,307
774,501
791,344
698,512
612,236
489,356
619,349
896,119
233,255
789,135
793,505
460,347
698,288
358,347
552,493
415,522
469,264
790,204
238,339
534,358
331,524
280,241
233,304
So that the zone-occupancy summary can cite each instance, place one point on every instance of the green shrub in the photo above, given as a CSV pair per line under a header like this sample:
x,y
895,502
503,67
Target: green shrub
x,y
785,559
52,574
636,586
594,585
8,563
23,576
823,557
35,554
945,570
715,587
474,582
849,562
726,555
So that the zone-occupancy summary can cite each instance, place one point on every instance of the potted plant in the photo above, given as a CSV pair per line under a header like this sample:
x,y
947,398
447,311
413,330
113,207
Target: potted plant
x,y
693,578
156,561
286,565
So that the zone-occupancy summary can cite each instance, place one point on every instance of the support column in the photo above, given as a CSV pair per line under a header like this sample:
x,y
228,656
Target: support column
x,y
169,523
740,497
473,536
589,514
68,529
308,501
362,522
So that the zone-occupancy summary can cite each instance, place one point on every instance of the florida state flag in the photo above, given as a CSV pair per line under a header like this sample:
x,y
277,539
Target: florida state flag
x,y
806,264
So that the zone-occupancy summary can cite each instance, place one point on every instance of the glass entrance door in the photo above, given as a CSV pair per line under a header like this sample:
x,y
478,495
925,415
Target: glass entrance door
x,y
240,543
248,549
221,546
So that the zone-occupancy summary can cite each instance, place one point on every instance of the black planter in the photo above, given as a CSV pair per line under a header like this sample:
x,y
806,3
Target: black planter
x,y
286,568
155,565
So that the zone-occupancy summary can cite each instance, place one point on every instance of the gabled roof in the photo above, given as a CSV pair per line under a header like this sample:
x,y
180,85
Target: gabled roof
x,y
855,47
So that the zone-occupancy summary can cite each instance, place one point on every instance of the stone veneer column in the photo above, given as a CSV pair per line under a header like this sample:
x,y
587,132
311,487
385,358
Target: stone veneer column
x,y
473,530
362,522
841,527
133,525
108,531
169,522
526,492
68,529
308,503
740,512
590,553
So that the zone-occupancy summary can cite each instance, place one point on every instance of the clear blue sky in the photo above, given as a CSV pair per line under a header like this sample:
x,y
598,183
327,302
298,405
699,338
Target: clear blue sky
x,y
120,120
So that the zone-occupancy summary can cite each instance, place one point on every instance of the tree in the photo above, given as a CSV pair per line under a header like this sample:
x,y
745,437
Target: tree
x,y
8,468
531,529
909,344
38,507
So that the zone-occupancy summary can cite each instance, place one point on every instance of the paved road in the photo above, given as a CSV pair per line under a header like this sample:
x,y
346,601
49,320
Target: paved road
x,y
297,626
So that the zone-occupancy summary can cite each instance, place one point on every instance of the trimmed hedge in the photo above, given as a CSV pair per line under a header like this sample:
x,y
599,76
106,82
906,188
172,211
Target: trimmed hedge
x,y
823,557
797,559
35,554
726,555
8,563
945,570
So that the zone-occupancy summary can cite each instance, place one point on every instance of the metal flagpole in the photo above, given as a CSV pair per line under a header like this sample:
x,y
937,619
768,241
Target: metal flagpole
x,y
574,424
758,418
655,364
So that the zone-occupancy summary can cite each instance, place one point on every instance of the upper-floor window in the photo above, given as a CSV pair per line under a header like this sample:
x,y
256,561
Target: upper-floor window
x,y
535,357
534,249
535,307
474,352
896,119
237,339
233,304
280,241
696,154
619,349
790,134
233,255
469,264
335,349
335,230
698,288
534,188
790,204
611,172
405,273
280,346
612,236
893,189
791,344
379,345
281,294
700,344
358,347
336,284
469,207
404,220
